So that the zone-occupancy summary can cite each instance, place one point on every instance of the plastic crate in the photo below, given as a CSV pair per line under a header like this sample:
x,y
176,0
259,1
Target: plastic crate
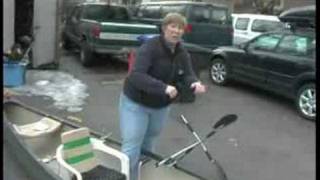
x,y
13,73
145,37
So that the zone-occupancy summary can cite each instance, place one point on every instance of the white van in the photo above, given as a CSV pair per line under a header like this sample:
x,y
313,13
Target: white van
x,y
248,26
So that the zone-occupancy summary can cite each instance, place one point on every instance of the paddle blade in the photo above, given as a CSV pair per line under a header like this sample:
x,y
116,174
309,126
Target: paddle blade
x,y
225,121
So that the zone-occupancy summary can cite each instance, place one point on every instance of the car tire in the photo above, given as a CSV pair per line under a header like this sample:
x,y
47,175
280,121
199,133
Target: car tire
x,y
218,71
66,43
306,101
86,56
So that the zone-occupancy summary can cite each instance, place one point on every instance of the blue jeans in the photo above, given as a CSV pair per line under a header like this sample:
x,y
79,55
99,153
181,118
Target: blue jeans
x,y
139,126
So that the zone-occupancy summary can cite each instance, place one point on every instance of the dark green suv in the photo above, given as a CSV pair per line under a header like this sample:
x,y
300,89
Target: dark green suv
x,y
209,25
102,28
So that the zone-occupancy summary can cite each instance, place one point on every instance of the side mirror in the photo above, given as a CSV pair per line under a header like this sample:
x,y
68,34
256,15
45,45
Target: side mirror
x,y
74,19
243,46
64,19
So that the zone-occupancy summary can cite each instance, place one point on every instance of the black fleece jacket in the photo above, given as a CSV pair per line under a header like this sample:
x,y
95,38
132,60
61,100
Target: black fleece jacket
x,y
154,68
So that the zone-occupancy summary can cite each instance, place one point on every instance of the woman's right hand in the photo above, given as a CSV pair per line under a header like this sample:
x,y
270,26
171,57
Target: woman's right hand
x,y
7,93
171,91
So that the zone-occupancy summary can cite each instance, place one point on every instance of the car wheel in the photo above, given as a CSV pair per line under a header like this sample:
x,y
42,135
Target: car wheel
x,y
306,101
218,71
86,56
66,43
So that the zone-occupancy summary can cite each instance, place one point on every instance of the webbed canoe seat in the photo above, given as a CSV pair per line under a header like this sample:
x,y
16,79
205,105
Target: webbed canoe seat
x,y
44,126
76,154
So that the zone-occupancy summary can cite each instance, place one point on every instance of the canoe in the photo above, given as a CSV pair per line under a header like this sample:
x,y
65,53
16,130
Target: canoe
x,y
302,16
36,151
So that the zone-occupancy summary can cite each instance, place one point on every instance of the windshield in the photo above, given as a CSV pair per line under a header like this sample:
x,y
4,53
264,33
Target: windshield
x,y
165,9
105,12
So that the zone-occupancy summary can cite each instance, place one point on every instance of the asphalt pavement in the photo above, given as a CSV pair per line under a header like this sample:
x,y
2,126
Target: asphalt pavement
x,y
269,141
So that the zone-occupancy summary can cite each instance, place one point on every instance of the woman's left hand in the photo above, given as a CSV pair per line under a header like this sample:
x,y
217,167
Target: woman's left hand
x,y
198,87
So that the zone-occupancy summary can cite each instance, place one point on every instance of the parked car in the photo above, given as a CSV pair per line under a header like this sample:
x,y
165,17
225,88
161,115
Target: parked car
x,y
282,62
102,28
248,26
209,25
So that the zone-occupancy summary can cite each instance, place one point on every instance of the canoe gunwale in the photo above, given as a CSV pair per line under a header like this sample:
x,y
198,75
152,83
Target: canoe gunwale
x,y
14,140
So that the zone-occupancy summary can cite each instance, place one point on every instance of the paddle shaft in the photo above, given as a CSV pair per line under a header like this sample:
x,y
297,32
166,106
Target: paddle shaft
x,y
198,138
224,121
185,150
191,148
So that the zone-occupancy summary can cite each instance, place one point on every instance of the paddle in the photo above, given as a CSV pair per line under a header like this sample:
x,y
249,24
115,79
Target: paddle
x,y
223,122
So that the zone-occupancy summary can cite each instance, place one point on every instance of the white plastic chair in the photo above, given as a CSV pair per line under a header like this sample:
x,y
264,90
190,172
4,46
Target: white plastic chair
x,y
77,156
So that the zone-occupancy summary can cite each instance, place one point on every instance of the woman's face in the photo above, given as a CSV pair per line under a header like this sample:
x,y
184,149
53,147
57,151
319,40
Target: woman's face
x,y
173,32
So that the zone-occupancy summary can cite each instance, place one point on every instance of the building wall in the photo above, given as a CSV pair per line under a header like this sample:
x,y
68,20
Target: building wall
x,y
8,24
45,29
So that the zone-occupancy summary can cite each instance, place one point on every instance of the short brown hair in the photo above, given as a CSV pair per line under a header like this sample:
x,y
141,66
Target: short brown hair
x,y
174,18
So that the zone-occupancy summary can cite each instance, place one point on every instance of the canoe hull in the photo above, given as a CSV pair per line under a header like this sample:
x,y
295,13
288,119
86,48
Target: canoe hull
x,y
37,154
24,157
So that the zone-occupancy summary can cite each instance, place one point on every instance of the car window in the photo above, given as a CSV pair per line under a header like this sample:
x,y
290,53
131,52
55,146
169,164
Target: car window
x,y
200,14
219,16
265,42
242,23
103,13
120,13
152,11
259,25
74,12
139,11
296,46
165,9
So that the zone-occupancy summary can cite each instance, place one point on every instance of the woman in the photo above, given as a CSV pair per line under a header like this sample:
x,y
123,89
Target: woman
x,y
161,63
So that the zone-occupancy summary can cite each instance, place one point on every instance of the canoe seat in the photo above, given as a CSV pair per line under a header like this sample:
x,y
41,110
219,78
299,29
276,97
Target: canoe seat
x,y
77,156
101,172
43,126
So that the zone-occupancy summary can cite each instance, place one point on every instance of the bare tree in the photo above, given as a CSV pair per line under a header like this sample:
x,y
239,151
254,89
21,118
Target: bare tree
x,y
267,6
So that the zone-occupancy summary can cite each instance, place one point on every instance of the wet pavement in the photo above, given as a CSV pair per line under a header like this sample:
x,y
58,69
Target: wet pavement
x,y
268,142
